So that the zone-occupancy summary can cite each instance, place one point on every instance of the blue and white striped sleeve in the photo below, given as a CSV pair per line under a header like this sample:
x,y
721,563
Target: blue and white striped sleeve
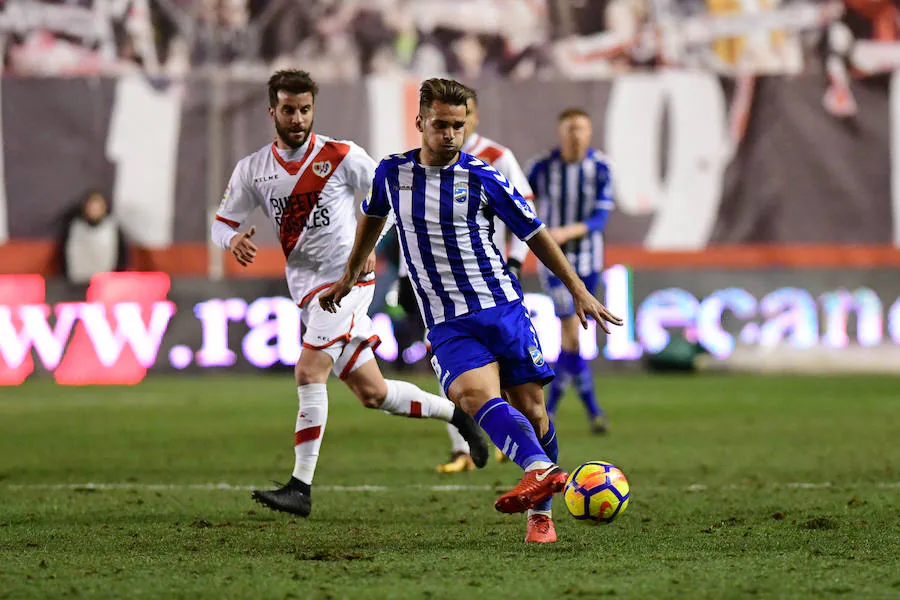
x,y
508,204
533,173
378,202
604,202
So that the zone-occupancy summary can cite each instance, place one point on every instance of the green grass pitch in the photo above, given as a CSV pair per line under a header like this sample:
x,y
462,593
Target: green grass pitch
x,y
742,487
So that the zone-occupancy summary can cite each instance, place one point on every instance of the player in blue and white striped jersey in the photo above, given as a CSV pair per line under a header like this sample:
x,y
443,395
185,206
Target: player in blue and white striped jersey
x,y
573,191
482,340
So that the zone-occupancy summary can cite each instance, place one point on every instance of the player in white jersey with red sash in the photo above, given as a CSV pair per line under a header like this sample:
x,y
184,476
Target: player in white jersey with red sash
x,y
502,159
306,184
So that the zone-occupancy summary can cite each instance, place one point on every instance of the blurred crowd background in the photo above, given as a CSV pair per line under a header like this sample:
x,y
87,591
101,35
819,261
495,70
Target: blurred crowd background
x,y
342,40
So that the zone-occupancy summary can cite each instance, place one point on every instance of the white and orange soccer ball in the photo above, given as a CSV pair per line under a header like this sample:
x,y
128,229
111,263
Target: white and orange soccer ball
x,y
596,492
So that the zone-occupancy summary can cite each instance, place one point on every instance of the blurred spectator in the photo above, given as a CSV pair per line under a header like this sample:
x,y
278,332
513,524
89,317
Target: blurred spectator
x,y
92,241
221,34
77,37
608,38
484,37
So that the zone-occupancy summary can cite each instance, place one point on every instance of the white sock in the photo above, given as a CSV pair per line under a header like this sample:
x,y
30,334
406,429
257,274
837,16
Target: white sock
x,y
457,443
310,428
538,465
405,399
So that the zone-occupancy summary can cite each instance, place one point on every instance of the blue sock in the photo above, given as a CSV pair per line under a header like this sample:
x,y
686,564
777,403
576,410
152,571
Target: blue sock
x,y
557,389
567,361
584,382
511,432
564,368
551,447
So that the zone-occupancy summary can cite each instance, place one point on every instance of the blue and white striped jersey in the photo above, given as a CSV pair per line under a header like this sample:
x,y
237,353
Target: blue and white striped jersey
x,y
444,221
569,193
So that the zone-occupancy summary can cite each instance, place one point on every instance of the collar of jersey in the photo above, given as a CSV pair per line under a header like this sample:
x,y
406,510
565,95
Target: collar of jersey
x,y
293,166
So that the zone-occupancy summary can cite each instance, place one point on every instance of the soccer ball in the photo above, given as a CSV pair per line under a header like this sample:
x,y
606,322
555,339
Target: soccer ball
x,y
596,492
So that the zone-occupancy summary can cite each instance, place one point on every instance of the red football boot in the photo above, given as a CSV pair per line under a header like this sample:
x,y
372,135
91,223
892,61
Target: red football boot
x,y
540,530
534,486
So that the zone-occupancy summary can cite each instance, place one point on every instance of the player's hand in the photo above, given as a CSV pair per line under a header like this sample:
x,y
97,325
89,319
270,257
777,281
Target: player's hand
x,y
330,299
588,306
243,250
515,267
369,267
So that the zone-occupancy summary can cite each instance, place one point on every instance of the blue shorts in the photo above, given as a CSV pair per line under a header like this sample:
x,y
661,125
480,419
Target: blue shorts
x,y
502,334
563,304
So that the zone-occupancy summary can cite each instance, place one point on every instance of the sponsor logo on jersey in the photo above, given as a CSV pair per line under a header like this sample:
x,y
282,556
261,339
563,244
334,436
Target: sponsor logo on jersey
x,y
322,168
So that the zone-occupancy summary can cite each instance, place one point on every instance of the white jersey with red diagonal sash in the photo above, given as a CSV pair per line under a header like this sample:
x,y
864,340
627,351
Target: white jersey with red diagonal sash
x,y
308,194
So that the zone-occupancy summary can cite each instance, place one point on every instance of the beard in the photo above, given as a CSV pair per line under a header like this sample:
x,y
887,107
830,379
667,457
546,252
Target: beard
x,y
286,134
443,153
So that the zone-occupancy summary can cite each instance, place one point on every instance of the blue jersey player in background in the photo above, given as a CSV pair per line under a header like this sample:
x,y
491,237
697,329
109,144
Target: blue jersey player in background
x,y
574,194
443,201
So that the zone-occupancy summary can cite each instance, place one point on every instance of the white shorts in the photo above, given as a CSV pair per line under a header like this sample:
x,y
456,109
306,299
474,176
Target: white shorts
x,y
347,336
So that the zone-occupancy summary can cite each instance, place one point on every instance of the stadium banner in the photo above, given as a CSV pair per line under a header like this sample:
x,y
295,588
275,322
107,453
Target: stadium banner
x,y
698,161
125,325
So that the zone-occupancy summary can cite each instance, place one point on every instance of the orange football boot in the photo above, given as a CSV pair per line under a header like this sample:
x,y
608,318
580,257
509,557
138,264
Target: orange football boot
x,y
534,486
540,530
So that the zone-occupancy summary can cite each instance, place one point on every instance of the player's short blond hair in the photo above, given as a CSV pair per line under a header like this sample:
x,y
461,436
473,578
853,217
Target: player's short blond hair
x,y
572,112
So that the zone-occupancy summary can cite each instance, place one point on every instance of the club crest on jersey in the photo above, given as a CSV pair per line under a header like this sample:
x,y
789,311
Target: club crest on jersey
x,y
460,194
322,168
536,357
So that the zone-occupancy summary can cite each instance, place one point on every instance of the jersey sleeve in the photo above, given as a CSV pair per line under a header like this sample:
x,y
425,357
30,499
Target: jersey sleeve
x,y
378,200
359,168
605,198
239,198
604,202
533,171
508,204
509,166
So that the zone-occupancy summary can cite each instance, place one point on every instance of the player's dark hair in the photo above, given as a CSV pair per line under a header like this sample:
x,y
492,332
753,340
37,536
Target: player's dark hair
x,y
447,91
473,95
293,81
573,111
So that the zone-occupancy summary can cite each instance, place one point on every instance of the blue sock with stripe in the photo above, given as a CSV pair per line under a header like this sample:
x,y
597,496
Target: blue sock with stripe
x,y
551,447
511,432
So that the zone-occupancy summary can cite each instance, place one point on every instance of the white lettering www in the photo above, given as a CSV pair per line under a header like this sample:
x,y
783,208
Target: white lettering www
x,y
144,340
35,332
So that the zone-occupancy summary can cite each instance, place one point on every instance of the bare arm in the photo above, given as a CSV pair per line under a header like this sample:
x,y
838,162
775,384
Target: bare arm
x,y
565,233
549,253
367,232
